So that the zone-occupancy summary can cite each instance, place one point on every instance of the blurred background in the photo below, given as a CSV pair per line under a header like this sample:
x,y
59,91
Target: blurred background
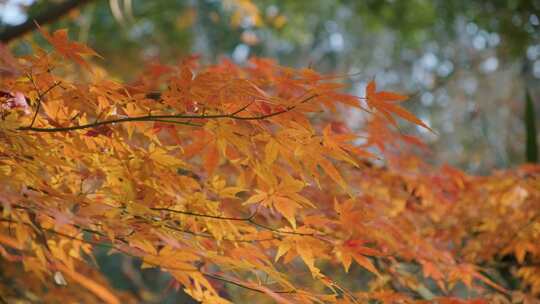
x,y
466,64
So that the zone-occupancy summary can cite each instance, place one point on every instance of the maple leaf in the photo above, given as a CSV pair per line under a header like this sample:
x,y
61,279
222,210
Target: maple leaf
x,y
352,249
69,49
386,103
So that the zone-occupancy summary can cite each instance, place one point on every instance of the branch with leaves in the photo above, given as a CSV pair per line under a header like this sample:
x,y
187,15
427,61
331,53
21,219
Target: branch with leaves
x,y
269,194
160,118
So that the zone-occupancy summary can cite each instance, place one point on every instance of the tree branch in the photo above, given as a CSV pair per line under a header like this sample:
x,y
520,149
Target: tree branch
x,y
166,119
50,15
248,219
165,267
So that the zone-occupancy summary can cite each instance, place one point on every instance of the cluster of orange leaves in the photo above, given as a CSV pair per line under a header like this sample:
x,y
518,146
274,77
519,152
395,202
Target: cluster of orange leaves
x,y
245,179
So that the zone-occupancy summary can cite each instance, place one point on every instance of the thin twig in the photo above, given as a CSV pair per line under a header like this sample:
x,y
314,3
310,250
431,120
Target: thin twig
x,y
165,267
186,123
248,219
40,96
220,278
217,217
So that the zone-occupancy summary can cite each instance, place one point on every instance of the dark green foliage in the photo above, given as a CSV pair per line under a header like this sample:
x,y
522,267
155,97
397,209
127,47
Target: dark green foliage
x,y
531,132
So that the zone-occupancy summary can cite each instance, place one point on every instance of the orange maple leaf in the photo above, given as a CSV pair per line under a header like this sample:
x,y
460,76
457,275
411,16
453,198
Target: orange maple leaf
x,y
385,102
69,49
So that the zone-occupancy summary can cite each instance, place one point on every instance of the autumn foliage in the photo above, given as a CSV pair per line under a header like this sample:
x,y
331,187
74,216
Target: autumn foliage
x,y
244,182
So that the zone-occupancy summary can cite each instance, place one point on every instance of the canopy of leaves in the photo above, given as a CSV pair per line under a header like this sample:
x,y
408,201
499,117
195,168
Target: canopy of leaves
x,y
244,184
465,64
